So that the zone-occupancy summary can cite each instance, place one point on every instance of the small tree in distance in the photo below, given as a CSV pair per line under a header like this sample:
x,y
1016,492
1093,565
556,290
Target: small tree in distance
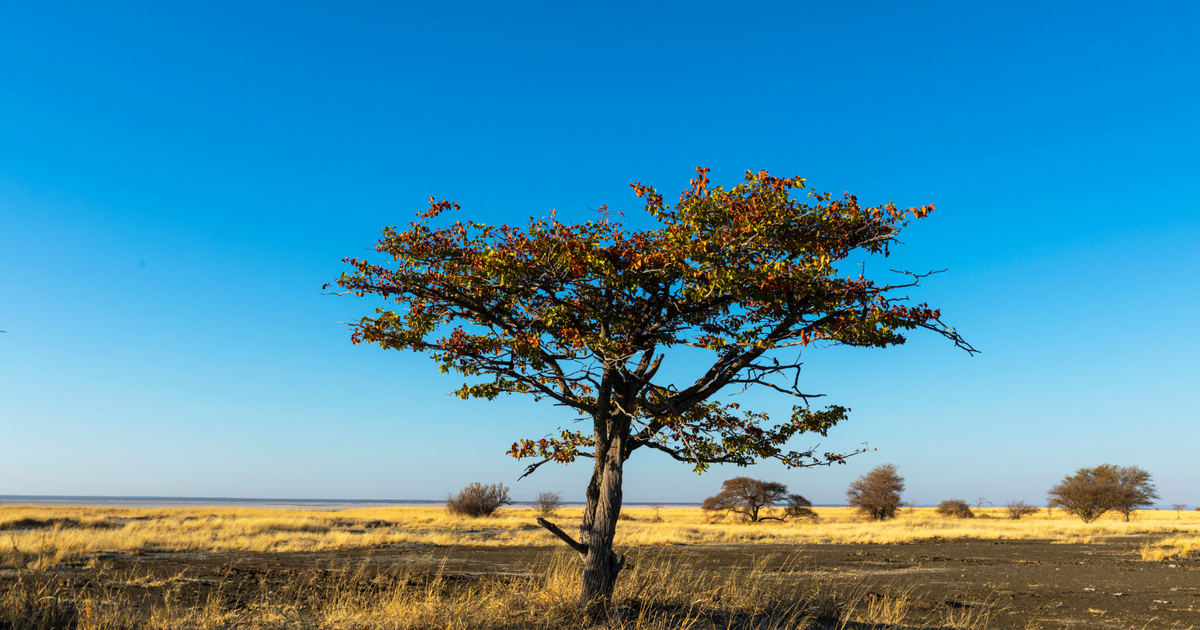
x,y
750,499
1178,508
477,500
877,493
547,503
956,508
1017,509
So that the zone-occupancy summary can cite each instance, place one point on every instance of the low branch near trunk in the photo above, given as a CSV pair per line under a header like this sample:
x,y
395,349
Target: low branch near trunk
x,y
564,536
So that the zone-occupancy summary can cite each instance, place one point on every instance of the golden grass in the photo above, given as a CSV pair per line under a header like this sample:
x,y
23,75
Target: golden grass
x,y
49,535
654,593
1172,548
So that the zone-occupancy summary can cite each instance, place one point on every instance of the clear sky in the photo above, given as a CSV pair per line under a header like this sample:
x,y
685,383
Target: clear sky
x,y
177,181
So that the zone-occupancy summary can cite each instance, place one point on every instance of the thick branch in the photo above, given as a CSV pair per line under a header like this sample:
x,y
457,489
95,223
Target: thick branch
x,y
581,548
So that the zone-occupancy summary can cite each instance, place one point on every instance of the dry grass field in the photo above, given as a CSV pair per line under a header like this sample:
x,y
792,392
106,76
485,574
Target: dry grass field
x,y
77,568
50,535
400,598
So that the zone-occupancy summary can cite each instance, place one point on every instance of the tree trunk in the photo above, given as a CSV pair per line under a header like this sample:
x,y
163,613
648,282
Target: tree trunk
x,y
601,565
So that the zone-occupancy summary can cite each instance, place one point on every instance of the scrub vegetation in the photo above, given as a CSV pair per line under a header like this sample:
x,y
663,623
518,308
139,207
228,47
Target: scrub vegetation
x,y
658,592
40,537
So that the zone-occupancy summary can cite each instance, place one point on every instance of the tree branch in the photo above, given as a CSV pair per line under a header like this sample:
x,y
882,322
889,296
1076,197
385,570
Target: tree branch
x,y
579,547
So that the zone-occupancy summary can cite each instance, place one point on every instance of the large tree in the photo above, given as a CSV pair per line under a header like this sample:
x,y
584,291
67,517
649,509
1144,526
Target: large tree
x,y
1091,492
877,493
750,499
584,315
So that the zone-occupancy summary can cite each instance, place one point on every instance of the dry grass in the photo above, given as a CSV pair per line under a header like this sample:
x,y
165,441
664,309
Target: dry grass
x,y
37,537
1172,548
654,593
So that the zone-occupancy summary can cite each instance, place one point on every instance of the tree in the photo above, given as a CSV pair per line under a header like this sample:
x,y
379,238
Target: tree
x,y
1086,494
1178,508
1017,509
1133,489
799,507
956,508
478,500
547,503
748,498
585,314
1091,492
877,493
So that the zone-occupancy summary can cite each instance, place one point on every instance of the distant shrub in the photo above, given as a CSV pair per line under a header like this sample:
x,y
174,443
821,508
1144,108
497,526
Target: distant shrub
x,y
799,507
877,493
478,500
1017,509
956,508
547,503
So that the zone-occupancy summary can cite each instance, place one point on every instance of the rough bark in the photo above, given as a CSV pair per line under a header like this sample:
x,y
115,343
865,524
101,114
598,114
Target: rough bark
x,y
597,530
601,566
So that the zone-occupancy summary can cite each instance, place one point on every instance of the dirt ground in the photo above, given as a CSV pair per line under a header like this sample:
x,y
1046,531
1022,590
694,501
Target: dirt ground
x,y
1080,585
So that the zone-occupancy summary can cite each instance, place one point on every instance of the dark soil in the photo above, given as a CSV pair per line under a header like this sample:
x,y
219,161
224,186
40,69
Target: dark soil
x,y
1083,585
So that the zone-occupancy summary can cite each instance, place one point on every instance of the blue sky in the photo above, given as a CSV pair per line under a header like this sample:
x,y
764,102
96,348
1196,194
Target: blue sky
x,y
178,180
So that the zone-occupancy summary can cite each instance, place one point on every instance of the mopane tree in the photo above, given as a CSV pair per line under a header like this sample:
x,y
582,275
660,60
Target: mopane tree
x,y
584,316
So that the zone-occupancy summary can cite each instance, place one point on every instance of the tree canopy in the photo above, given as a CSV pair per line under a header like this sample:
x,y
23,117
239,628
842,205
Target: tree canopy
x,y
582,313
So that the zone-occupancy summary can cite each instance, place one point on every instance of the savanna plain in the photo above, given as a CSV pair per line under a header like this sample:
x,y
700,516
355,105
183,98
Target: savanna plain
x,y
421,567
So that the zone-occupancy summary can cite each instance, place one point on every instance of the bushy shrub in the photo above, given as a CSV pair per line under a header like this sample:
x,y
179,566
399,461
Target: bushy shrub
x,y
547,503
799,507
478,500
956,508
1017,509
